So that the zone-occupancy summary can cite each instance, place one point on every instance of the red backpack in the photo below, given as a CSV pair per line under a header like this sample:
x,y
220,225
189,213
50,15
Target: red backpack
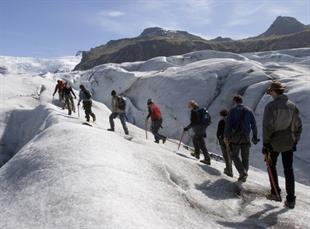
x,y
61,84
155,112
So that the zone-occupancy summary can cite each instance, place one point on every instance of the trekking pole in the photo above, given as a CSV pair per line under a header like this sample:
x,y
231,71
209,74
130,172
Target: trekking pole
x,y
78,110
145,127
181,139
273,183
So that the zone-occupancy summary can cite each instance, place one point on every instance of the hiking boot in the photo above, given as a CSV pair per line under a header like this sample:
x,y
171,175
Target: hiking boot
x,y
87,120
164,140
195,155
242,178
206,161
156,141
230,174
110,129
273,197
289,204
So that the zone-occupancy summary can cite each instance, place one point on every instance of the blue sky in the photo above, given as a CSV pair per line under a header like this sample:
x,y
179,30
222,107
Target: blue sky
x,y
52,28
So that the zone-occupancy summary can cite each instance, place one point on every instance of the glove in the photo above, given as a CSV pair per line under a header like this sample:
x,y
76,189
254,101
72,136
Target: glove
x,y
186,129
267,148
294,147
255,140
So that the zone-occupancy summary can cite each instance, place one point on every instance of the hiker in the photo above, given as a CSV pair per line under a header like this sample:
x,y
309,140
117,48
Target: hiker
x,y
85,96
239,123
155,114
118,109
67,93
282,128
225,148
199,127
59,87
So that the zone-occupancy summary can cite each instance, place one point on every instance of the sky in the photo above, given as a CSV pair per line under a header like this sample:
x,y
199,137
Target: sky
x,y
53,28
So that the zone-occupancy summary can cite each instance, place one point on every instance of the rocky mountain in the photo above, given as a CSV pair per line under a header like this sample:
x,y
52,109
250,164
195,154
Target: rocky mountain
x,y
221,39
284,33
283,26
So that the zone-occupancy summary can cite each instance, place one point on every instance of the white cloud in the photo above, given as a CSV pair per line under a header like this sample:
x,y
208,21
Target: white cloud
x,y
238,22
169,14
279,11
248,8
111,13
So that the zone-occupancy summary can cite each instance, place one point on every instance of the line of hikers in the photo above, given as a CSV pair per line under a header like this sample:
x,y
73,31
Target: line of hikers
x,y
282,129
66,94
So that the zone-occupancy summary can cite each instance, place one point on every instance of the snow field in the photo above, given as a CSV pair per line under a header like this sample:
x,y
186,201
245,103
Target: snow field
x,y
62,174
211,78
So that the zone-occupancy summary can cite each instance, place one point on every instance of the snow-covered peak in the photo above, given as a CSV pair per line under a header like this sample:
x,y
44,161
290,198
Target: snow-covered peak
x,y
37,66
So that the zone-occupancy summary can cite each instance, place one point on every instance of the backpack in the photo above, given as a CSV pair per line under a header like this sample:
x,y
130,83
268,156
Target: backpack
x,y
204,117
121,101
61,84
237,132
87,94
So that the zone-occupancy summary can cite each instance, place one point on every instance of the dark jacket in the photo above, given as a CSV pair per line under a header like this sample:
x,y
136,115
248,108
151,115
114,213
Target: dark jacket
x,y
220,131
83,97
241,115
67,91
198,128
282,125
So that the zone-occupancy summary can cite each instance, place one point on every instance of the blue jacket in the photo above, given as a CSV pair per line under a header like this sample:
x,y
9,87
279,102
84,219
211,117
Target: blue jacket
x,y
83,96
248,121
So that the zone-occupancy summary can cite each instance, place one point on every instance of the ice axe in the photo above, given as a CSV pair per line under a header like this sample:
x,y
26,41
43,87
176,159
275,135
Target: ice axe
x,y
181,139
273,183
78,110
145,127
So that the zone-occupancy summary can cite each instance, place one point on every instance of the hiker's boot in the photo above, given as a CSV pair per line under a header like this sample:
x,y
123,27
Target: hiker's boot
x,y
242,178
197,155
164,140
273,197
206,161
156,141
289,204
228,173
111,129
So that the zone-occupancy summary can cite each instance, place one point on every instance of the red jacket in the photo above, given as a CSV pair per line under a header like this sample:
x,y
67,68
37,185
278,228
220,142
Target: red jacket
x,y
154,112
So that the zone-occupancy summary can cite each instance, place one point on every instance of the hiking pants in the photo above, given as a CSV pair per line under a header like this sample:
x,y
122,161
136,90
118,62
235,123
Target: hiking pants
x,y
69,103
200,145
61,96
287,160
226,157
241,165
88,112
122,117
155,126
